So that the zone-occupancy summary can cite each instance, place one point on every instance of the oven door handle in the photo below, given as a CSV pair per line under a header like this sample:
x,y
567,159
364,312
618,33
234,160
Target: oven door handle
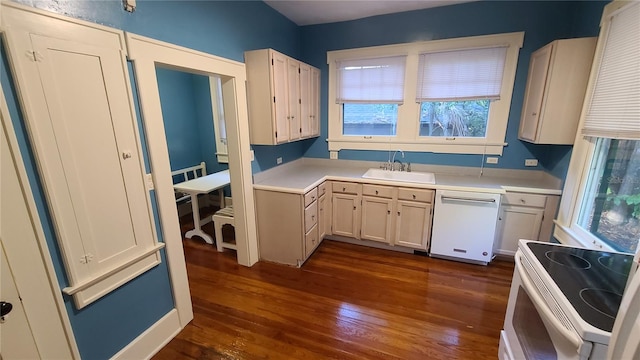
x,y
544,310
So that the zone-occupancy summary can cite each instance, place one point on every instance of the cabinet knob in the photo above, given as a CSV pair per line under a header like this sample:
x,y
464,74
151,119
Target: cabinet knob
x,y
523,201
344,189
398,213
534,114
288,117
354,208
389,212
313,217
376,192
414,196
313,197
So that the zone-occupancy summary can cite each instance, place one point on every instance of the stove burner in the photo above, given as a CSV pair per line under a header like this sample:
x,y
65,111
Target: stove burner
x,y
603,301
567,259
618,266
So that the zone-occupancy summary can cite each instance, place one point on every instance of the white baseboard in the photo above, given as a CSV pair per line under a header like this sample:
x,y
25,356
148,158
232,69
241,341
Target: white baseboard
x,y
151,340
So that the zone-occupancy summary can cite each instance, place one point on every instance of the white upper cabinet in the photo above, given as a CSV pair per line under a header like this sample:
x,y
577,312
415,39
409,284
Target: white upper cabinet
x,y
556,84
283,97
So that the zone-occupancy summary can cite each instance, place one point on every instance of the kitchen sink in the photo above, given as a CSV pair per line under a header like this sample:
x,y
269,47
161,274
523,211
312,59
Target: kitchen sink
x,y
412,177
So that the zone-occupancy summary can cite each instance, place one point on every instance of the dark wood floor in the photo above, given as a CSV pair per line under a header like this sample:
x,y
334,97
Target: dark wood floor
x,y
346,302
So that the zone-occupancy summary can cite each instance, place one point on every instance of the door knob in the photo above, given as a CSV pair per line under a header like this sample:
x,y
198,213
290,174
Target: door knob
x,y
5,309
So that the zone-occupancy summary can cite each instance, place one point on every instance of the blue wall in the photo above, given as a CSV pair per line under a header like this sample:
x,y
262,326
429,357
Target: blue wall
x,y
221,28
542,22
188,119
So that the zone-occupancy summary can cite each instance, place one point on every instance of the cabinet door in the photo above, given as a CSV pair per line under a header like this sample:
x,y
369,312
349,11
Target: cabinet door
x,y
376,219
315,102
305,100
88,145
413,224
345,215
293,96
517,223
536,82
280,96
322,217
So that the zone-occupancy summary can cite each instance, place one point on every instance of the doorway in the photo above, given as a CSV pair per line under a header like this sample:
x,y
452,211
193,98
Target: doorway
x,y
148,54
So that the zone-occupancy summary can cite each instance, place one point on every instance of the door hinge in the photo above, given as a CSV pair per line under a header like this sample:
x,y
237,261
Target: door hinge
x,y
298,70
274,99
86,258
276,134
271,61
299,101
300,130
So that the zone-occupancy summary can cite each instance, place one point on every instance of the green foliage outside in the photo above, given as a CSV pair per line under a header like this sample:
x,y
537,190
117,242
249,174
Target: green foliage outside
x,y
454,118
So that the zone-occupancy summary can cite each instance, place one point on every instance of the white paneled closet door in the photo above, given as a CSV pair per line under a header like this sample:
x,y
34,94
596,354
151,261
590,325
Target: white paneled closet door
x,y
88,151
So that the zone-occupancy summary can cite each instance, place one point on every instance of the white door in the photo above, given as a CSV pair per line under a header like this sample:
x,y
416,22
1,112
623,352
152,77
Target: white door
x,y
280,103
413,224
305,100
345,215
16,339
537,80
376,219
88,150
293,95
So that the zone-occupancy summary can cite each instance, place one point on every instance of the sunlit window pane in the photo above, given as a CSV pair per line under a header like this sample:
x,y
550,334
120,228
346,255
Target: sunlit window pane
x,y
370,119
454,118
611,206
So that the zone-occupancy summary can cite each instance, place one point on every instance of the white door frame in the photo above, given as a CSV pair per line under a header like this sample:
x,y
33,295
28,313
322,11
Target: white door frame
x,y
35,279
145,54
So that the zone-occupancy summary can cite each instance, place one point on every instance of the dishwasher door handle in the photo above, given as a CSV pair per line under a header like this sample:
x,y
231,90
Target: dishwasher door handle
x,y
468,199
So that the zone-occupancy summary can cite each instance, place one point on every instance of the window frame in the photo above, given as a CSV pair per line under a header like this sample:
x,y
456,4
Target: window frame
x,y
567,229
408,128
215,89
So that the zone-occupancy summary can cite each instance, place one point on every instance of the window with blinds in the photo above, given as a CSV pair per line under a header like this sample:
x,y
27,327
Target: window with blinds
x,y
614,110
370,91
455,89
604,210
443,96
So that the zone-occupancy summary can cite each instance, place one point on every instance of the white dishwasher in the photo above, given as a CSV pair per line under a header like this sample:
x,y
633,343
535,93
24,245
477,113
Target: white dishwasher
x,y
464,225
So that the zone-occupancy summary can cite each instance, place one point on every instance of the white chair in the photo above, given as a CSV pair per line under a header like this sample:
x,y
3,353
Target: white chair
x,y
189,173
221,218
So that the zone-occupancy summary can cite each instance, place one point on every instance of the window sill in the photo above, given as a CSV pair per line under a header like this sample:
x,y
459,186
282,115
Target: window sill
x,y
383,144
567,236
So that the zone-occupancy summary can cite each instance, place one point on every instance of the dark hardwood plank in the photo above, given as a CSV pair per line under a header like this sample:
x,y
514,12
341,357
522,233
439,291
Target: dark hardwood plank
x,y
346,302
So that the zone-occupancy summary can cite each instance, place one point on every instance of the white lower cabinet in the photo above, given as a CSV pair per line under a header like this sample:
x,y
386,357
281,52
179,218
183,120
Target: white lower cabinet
x,y
386,214
524,216
346,209
290,225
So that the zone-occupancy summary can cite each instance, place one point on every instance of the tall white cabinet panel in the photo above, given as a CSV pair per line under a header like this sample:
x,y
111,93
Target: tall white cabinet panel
x,y
413,224
556,84
85,138
282,96
314,103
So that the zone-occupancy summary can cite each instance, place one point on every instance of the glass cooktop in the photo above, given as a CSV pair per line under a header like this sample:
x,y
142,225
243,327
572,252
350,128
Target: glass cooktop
x,y
593,281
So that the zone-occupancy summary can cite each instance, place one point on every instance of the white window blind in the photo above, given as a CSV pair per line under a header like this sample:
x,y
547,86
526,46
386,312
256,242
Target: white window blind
x,y
614,111
373,81
461,74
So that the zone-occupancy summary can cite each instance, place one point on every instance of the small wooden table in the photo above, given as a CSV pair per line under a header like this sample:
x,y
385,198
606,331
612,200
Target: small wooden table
x,y
203,185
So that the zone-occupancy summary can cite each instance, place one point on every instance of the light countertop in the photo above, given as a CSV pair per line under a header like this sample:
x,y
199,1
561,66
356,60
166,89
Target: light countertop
x,y
304,174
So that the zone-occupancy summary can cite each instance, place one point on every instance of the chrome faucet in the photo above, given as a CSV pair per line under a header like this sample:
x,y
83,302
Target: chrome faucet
x,y
393,160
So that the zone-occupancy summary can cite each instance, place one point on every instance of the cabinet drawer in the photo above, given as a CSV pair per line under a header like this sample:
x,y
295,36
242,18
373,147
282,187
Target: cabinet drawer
x,y
310,197
523,199
310,241
345,187
415,195
310,216
379,191
322,189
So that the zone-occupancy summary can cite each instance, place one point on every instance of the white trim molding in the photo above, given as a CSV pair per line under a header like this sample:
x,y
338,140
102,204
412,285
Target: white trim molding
x,y
145,54
153,339
566,230
408,128
35,278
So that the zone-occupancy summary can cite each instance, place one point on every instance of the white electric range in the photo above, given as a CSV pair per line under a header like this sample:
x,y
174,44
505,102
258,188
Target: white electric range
x,y
563,302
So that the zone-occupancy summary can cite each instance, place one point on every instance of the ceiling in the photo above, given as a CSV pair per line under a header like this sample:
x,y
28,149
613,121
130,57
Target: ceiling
x,y
311,12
